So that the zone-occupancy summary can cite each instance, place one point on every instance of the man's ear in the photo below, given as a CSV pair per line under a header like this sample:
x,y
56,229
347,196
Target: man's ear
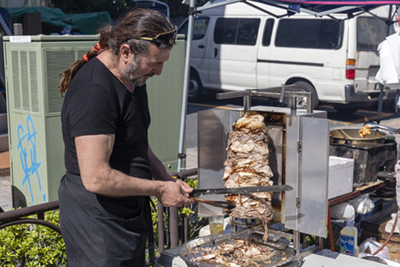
x,y
125,51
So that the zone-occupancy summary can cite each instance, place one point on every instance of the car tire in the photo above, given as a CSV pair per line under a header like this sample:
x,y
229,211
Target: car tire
x,y
195,90
302,101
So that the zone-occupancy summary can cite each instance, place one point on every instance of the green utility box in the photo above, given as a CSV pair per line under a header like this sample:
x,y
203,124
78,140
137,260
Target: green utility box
x,y
165,101
33,65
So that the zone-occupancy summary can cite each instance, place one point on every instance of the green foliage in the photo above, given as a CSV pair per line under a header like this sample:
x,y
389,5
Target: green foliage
x,y
193,183
115,8
310,240
32,245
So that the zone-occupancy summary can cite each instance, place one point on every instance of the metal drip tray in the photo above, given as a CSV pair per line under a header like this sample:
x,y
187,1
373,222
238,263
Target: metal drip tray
x,y
282,254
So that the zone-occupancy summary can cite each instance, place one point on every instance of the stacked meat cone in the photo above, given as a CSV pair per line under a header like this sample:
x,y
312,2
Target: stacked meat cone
x,y
247,165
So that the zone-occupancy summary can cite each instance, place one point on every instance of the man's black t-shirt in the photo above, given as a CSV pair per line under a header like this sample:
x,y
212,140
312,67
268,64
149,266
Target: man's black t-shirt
x,y
97,102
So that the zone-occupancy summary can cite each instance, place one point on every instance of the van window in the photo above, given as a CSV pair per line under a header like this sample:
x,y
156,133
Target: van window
x,y
370,33
269,25
236,31
199,28
308,33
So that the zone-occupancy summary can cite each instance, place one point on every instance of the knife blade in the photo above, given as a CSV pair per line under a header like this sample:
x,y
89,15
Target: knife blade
x,y
240,190
219,204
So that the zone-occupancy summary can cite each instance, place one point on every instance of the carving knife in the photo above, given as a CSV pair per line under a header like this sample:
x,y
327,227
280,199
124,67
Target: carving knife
x,y
240,190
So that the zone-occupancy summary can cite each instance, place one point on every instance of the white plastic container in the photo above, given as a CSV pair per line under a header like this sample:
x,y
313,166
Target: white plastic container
x,y
348,239
340,180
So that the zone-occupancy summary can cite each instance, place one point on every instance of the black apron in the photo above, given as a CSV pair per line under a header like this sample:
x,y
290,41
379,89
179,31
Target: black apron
x,y
103,231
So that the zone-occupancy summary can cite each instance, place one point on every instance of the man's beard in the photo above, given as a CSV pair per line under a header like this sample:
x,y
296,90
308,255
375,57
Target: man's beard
x,y
131,71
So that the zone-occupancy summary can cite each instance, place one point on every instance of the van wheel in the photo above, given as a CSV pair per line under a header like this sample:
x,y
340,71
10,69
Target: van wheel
x,y
302,101
195,92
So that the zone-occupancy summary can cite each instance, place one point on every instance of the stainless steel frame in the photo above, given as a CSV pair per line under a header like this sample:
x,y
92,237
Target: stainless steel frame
x,y
300,158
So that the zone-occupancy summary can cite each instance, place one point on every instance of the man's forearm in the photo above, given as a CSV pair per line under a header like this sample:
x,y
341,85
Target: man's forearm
x,y
114,183
117,184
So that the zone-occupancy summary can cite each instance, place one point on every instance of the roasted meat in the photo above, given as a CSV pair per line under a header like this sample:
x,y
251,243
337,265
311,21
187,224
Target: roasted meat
x,y
366,130
246,166
239,252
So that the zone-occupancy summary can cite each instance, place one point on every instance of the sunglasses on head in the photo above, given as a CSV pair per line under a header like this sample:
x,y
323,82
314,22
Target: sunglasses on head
x,y
164,39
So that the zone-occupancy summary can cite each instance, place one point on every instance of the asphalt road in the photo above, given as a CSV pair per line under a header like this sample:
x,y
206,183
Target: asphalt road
x,y
359,117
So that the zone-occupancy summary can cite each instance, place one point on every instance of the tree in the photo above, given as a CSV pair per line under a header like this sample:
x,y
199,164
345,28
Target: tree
x,y
118,7
114,7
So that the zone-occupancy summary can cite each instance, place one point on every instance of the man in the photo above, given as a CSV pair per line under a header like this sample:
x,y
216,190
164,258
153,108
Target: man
x,y
104,203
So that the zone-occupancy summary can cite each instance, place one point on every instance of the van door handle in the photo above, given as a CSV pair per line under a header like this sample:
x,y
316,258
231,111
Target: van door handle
x,y
201,46
215,52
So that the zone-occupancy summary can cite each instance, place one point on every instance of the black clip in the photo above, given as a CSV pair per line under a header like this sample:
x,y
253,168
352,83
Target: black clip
x,y
193,11
181,155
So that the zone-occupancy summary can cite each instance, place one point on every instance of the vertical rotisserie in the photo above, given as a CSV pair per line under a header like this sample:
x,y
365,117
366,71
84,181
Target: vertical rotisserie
x,y
247,165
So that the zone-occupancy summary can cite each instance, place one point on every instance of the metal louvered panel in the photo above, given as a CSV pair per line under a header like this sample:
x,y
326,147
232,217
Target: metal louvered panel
x,y
24,80
57,62
34,104
33,76
15,77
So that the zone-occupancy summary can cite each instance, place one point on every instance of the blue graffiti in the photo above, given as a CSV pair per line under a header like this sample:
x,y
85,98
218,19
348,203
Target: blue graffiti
x,y
27,150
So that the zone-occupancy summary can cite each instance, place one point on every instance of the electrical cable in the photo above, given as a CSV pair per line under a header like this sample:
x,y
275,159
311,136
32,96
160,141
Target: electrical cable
x,y
390,235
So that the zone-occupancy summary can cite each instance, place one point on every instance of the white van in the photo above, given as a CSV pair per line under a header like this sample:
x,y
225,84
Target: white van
x,y
238,47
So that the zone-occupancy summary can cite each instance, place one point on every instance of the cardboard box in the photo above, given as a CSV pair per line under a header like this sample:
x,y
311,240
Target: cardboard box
x,y
340,177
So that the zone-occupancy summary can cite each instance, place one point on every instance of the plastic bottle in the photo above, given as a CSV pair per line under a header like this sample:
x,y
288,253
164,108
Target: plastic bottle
x,y
348,239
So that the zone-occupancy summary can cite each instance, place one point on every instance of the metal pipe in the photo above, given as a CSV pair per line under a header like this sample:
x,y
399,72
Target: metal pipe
x,y
290,87
185,229
308,95
209,6
282,96
185,223
246,103
233,94
15,214
382,127
269,94
185,173
33,221
173,226
160,224
173,211
185,86
275,92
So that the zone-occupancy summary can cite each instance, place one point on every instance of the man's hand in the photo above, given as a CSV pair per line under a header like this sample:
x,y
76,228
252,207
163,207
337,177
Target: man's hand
x,y
175,194
184,186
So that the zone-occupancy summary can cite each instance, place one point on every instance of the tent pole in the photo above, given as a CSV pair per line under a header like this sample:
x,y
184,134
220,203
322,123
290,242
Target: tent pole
x,y
186,85
173,211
